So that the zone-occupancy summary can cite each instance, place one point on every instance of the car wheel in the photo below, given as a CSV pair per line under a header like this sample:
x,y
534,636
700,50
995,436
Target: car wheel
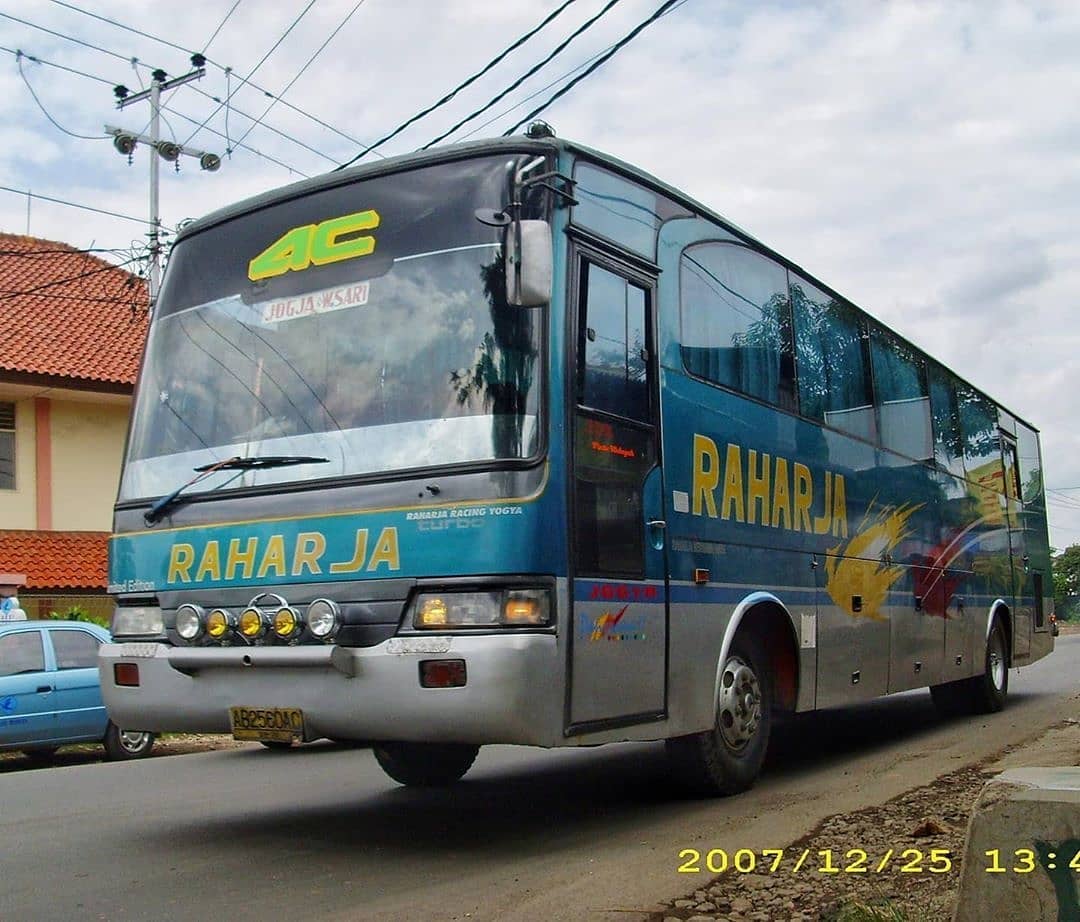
x,y
726,759
121,745
425,764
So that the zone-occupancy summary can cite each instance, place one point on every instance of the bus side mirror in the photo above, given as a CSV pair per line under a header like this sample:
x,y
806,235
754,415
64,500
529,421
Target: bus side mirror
x,y
528,263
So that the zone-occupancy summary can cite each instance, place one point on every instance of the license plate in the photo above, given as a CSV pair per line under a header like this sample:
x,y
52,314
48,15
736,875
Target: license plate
x,y
267,725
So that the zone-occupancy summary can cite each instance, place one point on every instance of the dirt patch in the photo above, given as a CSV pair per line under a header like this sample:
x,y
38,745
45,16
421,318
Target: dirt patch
x,y
1069,627
171,744
898,861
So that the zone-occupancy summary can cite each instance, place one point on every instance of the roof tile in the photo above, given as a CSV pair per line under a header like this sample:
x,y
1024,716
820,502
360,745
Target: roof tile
x,y
69,314
57,559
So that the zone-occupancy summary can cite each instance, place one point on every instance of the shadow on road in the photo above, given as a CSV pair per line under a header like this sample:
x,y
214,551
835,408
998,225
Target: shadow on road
x,y
572,795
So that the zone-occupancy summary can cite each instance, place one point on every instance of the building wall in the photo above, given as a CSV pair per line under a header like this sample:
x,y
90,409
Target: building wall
x,y
87,450
18,507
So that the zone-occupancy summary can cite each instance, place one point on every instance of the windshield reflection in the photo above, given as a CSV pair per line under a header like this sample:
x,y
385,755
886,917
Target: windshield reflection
x,y
421,367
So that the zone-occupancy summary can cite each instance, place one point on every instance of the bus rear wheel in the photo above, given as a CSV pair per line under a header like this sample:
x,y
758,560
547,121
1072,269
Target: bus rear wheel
x,y
425,764
981,694
727,759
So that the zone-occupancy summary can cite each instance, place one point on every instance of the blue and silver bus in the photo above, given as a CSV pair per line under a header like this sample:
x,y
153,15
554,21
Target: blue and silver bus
x,y
510,442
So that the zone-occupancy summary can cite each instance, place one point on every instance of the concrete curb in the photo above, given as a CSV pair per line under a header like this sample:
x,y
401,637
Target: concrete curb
x,y
1022,857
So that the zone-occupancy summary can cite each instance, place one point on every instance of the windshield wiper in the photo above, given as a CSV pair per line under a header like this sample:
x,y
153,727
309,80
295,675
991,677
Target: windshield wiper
x,y
258,463
265,462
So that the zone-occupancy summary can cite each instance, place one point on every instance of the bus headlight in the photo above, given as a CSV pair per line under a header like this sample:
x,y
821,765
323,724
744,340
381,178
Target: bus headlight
x,y
526,607
137,621
219,623
507,608
323,618
288,623
253,623
189,622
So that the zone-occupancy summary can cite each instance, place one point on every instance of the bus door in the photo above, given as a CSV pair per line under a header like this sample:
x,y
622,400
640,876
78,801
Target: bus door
x,y
1022,582
618,646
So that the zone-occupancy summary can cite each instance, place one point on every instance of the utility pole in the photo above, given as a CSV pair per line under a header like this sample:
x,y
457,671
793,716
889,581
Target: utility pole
x,y
126,141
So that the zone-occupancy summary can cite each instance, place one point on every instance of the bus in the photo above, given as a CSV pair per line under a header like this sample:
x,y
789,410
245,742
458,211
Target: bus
x,y
510,442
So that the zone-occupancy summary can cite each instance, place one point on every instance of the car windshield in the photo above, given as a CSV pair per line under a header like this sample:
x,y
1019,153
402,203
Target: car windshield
x,y
390,348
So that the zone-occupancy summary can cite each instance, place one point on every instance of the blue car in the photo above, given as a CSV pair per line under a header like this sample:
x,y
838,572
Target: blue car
x,y
50,693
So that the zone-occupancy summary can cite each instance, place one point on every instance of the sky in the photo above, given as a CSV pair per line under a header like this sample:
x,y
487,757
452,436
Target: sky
x,y
922,158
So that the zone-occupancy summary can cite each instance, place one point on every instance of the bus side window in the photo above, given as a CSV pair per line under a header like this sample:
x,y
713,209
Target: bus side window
x,y
736,321
832,362
948,443
979,431
901,397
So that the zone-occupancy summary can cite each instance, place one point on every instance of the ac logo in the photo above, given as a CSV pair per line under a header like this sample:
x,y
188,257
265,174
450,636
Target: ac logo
x,y
330,241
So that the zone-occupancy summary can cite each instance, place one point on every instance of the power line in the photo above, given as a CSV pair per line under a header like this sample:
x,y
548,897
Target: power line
x,y
17,52
216,64
548,86
300,72
110,267
248,147
221,25
513,86
605,57
255,69
65,251
467,82
193,121
60,201
69,38
84,137
187,51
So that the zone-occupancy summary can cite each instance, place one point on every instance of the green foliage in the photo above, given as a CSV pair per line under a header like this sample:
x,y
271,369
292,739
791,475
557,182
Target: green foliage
x,y
1066,573
871,911
78,613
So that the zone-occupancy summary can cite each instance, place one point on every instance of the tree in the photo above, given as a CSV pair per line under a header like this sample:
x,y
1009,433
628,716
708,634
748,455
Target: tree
x,y
1066,572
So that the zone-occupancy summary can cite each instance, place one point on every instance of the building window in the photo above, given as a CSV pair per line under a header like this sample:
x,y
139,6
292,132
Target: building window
x,y
7,446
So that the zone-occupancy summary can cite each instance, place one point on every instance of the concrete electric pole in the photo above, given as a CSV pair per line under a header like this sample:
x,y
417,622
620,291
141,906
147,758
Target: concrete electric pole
x,y
125,141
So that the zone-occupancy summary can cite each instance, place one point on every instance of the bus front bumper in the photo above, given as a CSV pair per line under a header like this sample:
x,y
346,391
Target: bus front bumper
x,y
513,691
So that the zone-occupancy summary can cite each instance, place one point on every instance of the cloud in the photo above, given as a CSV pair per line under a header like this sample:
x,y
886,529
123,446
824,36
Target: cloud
x,y
919,158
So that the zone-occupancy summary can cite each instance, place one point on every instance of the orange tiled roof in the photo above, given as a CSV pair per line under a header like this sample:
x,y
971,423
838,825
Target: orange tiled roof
x,y
57,559
68,314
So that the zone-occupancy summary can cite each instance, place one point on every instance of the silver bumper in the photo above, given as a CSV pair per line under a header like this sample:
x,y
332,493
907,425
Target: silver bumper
x,y
513,693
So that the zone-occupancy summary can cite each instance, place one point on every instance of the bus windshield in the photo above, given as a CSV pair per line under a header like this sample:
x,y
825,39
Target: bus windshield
x,y
399,355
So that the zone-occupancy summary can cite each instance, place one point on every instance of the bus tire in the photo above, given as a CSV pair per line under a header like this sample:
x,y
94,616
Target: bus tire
x,y
988,691
425,764
727,759
984,693
121,745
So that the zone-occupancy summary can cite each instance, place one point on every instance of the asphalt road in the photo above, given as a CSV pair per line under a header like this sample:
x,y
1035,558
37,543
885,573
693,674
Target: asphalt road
x,y
321,833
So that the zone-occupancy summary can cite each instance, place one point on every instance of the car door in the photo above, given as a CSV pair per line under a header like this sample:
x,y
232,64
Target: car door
x,y
27,695
80,710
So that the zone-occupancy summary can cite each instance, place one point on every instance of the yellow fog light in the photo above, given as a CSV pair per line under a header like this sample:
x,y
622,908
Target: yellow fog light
x,y
218,623
525,608
432,613
287,623
251,623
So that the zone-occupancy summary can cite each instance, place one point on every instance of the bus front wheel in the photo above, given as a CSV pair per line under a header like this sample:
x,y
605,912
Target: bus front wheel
x,y
727,759
425,764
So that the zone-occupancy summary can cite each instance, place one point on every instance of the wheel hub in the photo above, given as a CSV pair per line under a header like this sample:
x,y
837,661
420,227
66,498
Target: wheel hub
x,y
739,710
